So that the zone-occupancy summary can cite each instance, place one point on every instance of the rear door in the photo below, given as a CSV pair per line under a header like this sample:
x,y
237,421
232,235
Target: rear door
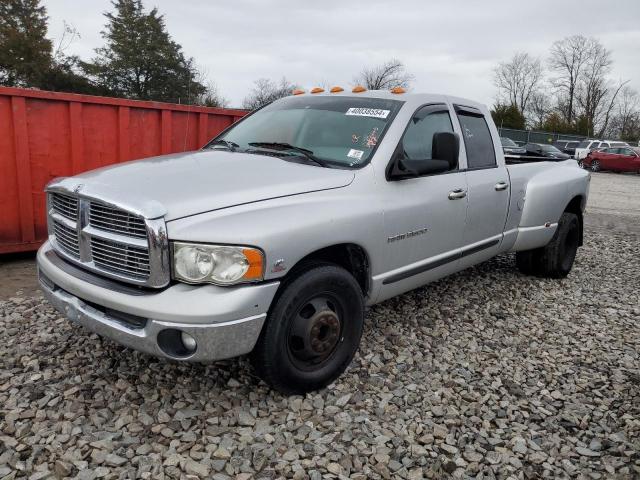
x,y
487,186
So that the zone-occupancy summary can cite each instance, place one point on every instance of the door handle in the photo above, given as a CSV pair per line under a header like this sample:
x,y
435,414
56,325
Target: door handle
x,y
457,194
501,186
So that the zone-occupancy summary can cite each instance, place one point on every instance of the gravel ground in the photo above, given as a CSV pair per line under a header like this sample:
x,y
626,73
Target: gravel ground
x,y
486,374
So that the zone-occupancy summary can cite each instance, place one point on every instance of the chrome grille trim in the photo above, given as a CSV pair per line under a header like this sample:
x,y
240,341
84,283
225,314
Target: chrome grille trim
x,y
65,205
115,220
108,239
67,239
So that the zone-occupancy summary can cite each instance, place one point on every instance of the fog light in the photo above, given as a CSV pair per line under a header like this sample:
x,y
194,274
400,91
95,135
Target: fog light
x,y
188,341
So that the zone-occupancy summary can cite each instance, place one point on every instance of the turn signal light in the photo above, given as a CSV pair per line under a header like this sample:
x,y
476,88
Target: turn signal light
x,y
337,89
398,90
317,90
297,91
359,89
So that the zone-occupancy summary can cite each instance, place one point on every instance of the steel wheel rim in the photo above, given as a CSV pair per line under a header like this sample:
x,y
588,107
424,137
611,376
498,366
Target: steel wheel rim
x,y
315,331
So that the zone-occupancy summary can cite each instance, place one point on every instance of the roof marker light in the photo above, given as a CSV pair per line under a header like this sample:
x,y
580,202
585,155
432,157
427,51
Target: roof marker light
x,y
298,91
398,90
359,89
337,90
317,90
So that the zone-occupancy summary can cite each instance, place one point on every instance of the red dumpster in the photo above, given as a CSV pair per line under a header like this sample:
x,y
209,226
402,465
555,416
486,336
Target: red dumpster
x,y
44,135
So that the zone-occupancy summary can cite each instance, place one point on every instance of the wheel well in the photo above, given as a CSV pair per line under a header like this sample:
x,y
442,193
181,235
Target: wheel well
x,y
349,256
575,206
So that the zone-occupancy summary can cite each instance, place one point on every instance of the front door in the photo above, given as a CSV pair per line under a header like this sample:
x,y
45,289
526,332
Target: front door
x,y
488,189
424,216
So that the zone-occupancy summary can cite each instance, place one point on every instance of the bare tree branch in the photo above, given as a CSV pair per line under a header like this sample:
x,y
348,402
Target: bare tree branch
x,y
385,76
518,79
266,91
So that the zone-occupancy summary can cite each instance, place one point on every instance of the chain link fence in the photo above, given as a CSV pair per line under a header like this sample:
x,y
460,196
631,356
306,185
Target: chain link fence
x,y
531,136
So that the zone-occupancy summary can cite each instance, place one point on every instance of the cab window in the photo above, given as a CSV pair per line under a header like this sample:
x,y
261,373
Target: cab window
x,y
417,143
477,140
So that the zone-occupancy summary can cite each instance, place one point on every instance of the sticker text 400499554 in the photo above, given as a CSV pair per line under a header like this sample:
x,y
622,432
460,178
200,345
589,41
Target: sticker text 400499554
x,y
368,112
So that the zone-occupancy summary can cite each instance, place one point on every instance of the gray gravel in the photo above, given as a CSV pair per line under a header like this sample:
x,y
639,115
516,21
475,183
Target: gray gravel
x,y
487,374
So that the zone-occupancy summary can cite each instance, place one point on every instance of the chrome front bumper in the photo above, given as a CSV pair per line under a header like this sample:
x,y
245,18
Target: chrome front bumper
x,y
224,321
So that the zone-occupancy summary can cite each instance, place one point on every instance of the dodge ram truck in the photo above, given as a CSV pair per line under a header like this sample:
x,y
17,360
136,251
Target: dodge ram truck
x,y
274,237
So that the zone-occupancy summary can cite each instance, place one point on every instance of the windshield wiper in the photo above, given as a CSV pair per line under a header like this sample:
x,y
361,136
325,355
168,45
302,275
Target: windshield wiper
x,y
308,154
231,146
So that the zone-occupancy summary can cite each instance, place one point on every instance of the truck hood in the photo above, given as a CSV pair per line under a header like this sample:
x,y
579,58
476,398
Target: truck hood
x,y
186,184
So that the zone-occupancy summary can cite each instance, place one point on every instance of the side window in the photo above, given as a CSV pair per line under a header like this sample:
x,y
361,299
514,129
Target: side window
x,y
477,140
594,145
418,139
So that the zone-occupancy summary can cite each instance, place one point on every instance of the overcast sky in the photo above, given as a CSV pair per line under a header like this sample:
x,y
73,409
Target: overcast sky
x,y
450,46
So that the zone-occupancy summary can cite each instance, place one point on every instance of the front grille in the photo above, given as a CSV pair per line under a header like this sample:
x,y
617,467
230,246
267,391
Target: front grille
x,y
108,240
115,220
67,239
120,258
65,205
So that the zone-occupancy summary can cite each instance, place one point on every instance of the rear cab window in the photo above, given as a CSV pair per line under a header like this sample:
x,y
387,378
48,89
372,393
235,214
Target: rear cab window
x,y
477,138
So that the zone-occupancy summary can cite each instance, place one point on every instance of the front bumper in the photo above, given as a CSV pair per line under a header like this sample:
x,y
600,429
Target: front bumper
x,y
224,321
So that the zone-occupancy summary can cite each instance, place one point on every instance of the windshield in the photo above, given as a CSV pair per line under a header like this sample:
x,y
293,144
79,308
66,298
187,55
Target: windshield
x,y
336,131
507,142
550,149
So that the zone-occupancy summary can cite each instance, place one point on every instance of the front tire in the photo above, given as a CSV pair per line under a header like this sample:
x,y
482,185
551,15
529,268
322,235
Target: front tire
x,y
312,331
554,260
595,166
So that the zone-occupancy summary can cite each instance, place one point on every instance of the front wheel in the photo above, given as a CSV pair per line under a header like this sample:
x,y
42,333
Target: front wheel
x,y
595,166
312,331
581,163
554,260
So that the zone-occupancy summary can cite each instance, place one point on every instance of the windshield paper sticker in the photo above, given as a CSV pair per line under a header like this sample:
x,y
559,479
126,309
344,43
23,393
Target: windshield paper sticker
x,y
368,112
357,154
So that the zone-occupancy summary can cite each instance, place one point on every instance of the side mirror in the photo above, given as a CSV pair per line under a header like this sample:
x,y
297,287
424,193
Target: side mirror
x,y
446,146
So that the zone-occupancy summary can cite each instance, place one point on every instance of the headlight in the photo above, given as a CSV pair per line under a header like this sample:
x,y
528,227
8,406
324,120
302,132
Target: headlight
x,y
218,264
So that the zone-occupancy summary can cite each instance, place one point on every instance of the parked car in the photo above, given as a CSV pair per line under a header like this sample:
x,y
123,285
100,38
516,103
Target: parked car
x,y
545,150
273,238
586,146
509,147
620,159
567,146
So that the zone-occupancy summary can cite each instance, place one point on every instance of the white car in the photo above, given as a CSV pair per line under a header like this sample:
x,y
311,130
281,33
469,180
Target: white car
x,y
586,146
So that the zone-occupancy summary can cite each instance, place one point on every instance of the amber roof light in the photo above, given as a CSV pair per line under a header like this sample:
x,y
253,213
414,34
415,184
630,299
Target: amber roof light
x,y
317,90
337,89
398,90
359,89
297,91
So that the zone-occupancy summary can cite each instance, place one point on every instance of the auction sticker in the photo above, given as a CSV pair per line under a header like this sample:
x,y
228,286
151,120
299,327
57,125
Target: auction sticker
x,y
353,153
368,112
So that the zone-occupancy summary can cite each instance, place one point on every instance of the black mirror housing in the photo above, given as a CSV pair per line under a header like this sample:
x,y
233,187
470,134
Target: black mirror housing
x,y
446,146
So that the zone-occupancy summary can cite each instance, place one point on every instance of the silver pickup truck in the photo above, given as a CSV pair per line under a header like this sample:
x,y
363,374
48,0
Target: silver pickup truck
x,y
274,237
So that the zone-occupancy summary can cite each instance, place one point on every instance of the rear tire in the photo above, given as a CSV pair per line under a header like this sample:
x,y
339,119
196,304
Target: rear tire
x,y
554,260
595,166
312,331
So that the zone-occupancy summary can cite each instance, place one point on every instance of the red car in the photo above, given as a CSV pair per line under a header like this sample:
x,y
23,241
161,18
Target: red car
x,y
618,159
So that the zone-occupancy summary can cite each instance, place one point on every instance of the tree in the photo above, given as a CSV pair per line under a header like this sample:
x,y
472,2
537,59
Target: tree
x,y
25,52
518,79
569,57
626,119
555,122
140,60
265,91
385,76
508,116
538,109
212,97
